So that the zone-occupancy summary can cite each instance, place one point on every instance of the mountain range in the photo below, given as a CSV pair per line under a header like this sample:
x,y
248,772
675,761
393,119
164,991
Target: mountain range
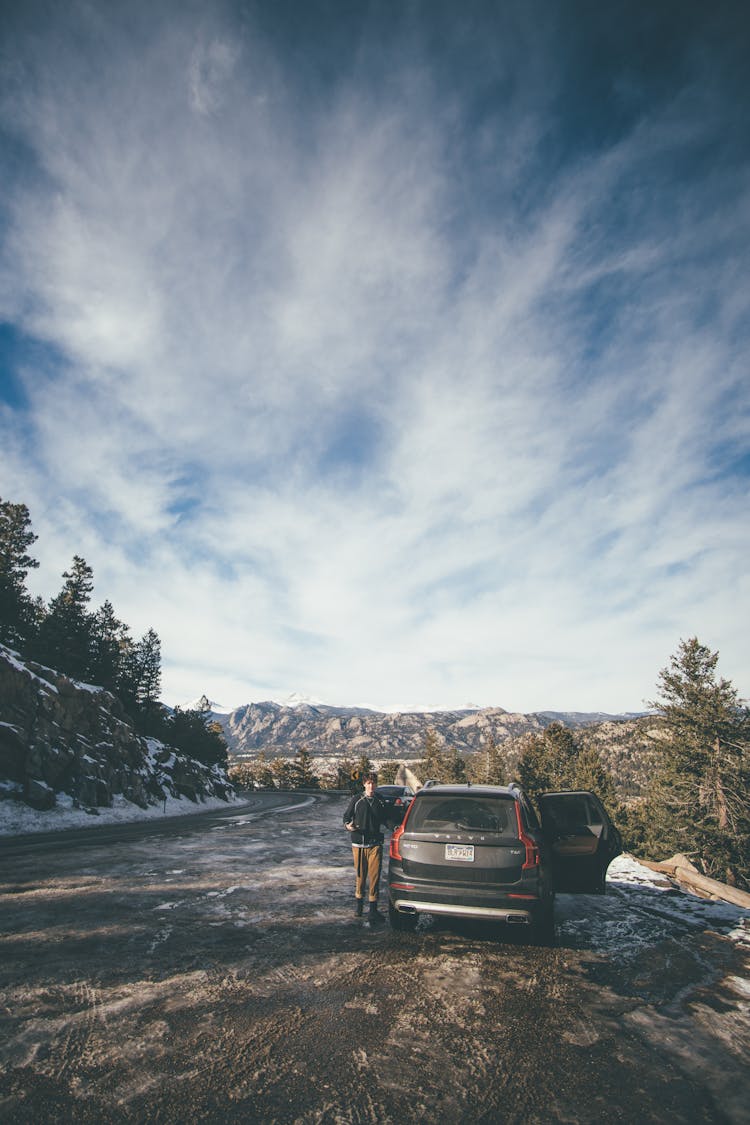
x,y
330,734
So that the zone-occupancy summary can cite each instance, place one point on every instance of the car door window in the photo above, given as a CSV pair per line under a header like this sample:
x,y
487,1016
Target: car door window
x,y
573,814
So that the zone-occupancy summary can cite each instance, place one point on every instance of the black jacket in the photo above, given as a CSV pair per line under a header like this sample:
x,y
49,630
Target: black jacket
x,y
368,816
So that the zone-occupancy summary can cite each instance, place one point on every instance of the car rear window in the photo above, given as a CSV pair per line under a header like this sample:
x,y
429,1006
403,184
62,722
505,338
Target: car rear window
x,y
467,814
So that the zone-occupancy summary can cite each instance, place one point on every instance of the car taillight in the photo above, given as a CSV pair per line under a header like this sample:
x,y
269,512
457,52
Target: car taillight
x,y
394,851
532,851
398,801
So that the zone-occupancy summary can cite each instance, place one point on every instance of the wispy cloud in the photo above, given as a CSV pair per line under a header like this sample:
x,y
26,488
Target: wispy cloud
x,y
377,376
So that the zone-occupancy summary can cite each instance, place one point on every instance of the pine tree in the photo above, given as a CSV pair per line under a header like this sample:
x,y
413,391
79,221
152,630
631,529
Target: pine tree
x,y
148,658
493,762
301,772
345,767
363,766
283,775
263,773
387,773
699,802
197,735
548,760
128,672
107,635
556,760
16,609
454,767
433,765
64,639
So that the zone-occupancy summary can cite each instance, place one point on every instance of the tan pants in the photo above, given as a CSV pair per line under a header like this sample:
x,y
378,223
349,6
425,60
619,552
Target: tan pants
x,y
367,864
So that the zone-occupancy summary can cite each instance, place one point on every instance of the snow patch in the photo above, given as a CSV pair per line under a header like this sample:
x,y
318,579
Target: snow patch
x,y
18,819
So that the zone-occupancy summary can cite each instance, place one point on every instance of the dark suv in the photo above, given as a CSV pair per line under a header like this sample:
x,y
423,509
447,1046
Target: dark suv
x,y
396,799
480,851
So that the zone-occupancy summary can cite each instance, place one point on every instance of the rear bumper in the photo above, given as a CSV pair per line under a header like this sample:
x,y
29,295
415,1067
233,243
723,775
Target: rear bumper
x,y
512,915
521,903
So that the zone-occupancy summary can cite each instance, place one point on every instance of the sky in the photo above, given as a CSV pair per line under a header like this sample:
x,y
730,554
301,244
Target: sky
x,y
394,353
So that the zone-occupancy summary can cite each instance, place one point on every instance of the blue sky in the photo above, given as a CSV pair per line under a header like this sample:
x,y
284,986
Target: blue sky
x,y
395,354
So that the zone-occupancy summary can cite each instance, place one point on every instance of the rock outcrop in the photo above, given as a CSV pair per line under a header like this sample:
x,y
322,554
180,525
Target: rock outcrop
x,y
60,736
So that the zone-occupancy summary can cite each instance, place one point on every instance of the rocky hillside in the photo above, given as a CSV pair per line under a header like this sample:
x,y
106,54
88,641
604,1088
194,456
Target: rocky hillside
x,y
60,736
333,733
340,732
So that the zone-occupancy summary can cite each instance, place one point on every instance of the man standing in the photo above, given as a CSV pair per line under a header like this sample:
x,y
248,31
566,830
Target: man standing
x,y
364,817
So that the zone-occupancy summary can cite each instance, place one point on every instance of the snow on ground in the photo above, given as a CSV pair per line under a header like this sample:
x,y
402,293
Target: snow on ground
x,y
650,900
17,819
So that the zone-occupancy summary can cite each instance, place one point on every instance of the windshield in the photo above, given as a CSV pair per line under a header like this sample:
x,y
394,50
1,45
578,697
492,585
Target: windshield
x,y
464,814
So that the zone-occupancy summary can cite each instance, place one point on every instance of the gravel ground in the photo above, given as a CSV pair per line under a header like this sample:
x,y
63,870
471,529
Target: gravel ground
x,y
215,972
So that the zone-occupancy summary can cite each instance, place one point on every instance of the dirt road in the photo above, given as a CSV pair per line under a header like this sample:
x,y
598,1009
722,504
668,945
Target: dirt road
x,y
217,973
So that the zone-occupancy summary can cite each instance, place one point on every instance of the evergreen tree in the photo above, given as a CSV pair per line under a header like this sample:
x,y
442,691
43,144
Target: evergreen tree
x,y
128,672
148,657
556,760
363,766
699,803
454,767
263,773
489,764
387,773
107,636
433,765
345,767
301,773
242,775
16,609
196,734
590,774
283,773
548,760
64,638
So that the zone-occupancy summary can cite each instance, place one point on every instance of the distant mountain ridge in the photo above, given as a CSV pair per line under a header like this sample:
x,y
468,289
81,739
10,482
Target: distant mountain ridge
x,y
276,729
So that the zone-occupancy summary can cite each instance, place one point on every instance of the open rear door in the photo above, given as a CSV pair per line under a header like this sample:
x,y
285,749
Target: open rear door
x,y
582,839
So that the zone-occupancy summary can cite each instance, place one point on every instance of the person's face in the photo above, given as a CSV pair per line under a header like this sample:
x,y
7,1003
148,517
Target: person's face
x,y
369,787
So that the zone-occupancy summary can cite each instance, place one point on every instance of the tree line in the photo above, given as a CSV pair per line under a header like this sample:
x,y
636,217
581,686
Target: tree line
x,y
92,645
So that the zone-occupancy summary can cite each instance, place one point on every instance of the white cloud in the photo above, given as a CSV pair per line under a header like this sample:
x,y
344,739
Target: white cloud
x,y
331,420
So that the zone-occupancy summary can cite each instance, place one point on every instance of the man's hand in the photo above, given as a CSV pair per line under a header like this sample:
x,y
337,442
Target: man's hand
x,y
350,826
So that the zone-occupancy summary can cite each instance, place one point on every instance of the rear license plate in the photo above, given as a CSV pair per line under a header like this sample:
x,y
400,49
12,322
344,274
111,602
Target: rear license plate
x,y
460,851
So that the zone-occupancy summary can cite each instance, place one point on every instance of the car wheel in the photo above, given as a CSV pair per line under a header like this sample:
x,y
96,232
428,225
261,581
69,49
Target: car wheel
x,y
402,923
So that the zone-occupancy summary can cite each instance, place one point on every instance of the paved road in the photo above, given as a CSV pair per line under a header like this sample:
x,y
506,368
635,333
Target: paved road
x,y
215,972
100,835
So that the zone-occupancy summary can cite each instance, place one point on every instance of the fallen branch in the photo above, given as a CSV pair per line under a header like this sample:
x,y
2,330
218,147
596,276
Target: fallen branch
x,y
687,875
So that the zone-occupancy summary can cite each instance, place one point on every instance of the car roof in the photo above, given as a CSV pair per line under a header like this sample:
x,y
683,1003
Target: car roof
x,y
511,791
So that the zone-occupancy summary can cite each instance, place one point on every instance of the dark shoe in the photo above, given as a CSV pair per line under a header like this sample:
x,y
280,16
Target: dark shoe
x,y
358,907
372,916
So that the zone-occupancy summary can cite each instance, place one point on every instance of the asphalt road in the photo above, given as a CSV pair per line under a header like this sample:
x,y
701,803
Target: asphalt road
x,y
104,834
214,971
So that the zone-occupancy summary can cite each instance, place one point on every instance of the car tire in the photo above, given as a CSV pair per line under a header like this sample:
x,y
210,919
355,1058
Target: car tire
x,y
402,923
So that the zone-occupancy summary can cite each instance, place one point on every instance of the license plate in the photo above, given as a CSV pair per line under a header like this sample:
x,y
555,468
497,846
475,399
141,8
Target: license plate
x,y
464,852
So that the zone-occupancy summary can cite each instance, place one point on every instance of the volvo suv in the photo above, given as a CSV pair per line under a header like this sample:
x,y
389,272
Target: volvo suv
x,y
480,851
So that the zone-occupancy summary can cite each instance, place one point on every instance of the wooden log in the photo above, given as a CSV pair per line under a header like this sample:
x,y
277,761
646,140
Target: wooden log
x,y
687,875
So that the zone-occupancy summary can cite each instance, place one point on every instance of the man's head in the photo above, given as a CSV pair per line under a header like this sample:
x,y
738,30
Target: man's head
x,y
370,781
